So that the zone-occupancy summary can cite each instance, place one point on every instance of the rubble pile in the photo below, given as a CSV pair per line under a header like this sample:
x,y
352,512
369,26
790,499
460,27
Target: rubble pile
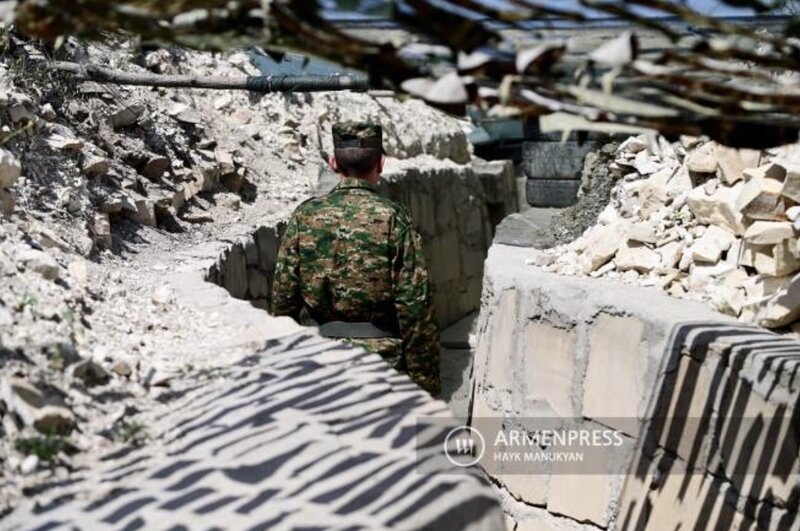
x,y
701,221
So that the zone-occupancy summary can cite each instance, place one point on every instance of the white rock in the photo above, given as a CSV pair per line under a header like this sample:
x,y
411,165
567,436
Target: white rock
x,y
671,254
163,295
636,257
7,202
645,164
793,213
10,169
633,144
102,230
772,170
718,208
761,199
65,143
601,246
791,184
731,163
709,247
703,159
641,232
653,192
29,465
38,261
768,232
31,407
690,142
680,184
95,165
783,308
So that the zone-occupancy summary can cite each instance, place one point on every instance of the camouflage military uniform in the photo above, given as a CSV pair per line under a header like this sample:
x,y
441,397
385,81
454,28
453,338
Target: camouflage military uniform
x,y
354,256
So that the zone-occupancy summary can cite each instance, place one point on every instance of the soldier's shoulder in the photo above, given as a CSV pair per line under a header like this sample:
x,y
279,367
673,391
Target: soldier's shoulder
x,y
398,209
310,205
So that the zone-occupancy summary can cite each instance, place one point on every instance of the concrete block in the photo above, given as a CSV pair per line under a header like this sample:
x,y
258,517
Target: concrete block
x,y
257,283
529,488
582,497
235,277
683,425
614,386
549,358
504,329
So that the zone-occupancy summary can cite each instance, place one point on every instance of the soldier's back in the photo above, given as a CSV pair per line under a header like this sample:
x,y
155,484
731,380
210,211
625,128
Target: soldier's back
x,y
346,244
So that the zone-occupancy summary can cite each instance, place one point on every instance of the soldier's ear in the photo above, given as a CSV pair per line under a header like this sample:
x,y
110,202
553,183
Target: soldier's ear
x,y
333,165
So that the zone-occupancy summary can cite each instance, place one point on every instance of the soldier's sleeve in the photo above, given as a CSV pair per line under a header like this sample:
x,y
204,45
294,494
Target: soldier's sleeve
x,y
415,312
286,298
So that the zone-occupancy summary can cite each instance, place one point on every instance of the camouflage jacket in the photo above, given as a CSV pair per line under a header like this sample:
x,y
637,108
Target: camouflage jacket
x,y
353,255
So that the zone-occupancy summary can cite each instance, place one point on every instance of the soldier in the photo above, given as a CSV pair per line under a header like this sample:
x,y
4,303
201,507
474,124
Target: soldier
x,y
352,262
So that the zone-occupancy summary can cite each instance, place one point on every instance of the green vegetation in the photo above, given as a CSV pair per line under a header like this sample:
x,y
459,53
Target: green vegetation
x,y
45,447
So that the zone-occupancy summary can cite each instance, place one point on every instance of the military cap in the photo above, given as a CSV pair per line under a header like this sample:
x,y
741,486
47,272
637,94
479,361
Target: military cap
x,y
357,135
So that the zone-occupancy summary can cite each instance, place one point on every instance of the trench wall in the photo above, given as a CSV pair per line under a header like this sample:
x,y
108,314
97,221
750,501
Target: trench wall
x,y
707,408
455,208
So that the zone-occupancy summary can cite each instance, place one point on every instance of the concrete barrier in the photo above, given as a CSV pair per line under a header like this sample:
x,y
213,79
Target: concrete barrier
x,y
706,409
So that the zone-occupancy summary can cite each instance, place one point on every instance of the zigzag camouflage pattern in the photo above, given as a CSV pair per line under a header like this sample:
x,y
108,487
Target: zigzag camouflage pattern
x,y
305,434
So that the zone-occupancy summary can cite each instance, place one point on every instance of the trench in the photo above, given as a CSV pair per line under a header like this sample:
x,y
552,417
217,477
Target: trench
x,y
456,209
601,354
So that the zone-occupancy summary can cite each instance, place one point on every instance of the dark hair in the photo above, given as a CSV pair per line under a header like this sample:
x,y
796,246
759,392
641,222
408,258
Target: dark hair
x,y
357,162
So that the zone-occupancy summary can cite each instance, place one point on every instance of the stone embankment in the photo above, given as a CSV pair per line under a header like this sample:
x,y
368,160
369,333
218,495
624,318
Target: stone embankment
x,y
705,407
702,222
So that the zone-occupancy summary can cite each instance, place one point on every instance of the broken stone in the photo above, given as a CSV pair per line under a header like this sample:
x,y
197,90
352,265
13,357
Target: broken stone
x,y
729,300
101,228
121,368
640,232
39,261
731,163
709,247
768,232
155,167
95,165
10,169
90,373
783,308
760,198
791,184
773,170
653,192
228,200
680,183
645,164
703,159
65,143
29,465
793,213
145,212
775,261
637,258
718,208
126,116
33,409
601,246
225,162
671,254
690,142
7,203
47,112
190,117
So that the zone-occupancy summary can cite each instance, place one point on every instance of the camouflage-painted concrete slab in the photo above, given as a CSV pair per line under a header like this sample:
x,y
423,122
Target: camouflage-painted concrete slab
x,y
304,434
